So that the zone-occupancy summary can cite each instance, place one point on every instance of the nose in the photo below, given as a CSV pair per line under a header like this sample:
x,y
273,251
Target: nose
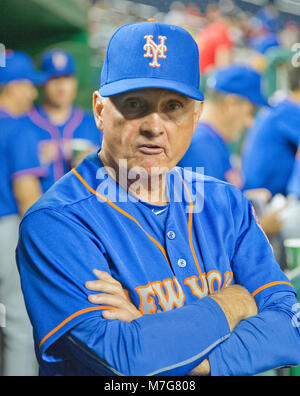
x,y
152,126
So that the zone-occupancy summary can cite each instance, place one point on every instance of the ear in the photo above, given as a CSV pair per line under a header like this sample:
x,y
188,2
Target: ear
x,y
198,113
98,109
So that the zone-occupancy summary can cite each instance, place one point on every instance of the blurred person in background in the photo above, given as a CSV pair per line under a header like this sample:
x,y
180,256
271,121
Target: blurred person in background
x,y
57,135
176,15
233,95
215,41
17,93
294,182
268,157
270,17
230,103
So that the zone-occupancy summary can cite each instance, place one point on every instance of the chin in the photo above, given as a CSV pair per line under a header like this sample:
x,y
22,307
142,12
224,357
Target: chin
x,y
146,170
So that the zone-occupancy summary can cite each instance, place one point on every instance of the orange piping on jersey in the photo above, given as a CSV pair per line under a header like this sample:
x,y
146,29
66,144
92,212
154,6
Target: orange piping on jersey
x,y
259,225
71,318
270,285
122,212
190,227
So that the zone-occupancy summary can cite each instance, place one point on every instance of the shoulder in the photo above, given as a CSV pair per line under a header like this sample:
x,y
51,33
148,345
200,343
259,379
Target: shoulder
x,y
216,200
211,185
67,193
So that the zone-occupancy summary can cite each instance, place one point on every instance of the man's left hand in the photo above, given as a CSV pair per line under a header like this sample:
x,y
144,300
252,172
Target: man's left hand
x,y
112,294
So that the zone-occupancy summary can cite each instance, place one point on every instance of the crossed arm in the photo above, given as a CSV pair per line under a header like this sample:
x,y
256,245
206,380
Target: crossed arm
x,y
235,301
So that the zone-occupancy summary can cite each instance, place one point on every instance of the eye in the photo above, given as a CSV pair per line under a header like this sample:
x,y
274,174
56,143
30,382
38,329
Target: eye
x,y
133,105
174,105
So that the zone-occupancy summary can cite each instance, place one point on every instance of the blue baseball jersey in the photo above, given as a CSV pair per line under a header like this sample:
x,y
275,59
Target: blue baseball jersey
x,y
209,150
8,205
46,149
269,153
168,260
294,182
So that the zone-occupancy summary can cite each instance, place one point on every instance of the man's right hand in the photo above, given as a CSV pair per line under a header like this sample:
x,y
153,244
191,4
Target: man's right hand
x,y
236,303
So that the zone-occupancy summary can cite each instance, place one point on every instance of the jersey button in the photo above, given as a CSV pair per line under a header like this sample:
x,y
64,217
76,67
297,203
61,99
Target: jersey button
x,y
181,263
171,235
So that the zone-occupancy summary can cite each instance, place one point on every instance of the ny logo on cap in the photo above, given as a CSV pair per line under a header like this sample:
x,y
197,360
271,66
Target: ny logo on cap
x,y
59,60
155,51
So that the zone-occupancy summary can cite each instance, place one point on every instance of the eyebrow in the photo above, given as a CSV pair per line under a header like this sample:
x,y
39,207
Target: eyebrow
x,y
178,95
138,93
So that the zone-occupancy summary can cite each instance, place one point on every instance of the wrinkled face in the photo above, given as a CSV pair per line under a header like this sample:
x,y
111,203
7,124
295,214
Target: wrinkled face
x,y
60,91
24,93
150,128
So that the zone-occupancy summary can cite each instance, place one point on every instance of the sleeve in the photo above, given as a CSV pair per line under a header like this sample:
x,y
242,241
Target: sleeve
x,y
24,156
266,341
56,256
271,339
253,263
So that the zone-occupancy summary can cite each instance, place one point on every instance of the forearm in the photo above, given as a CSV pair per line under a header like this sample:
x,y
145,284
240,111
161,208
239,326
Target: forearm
x,y
169,343
266,341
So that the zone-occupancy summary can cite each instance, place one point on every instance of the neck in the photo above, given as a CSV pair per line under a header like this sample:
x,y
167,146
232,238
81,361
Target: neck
x,y
214,115
57,114
10,106
150,189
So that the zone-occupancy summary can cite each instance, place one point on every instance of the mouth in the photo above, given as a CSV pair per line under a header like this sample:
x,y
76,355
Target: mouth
x,y
150,149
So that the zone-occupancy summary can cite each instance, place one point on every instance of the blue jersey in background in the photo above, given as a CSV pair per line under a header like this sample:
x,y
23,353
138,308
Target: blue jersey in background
x,y
47,149
8,205
209,150
269,154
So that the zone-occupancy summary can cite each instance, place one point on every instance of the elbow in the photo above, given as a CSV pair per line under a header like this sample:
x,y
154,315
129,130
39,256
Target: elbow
x,y
121,350
296,325
295,335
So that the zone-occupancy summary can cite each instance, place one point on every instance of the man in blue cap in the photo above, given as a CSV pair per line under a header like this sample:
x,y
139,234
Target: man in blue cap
x,y
57,135
270,148
206,293
233,95
17,93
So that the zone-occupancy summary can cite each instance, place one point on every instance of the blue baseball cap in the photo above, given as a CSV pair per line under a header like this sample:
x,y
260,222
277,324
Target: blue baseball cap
x,y
239,80
19,67
151,55
58,63
263,44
